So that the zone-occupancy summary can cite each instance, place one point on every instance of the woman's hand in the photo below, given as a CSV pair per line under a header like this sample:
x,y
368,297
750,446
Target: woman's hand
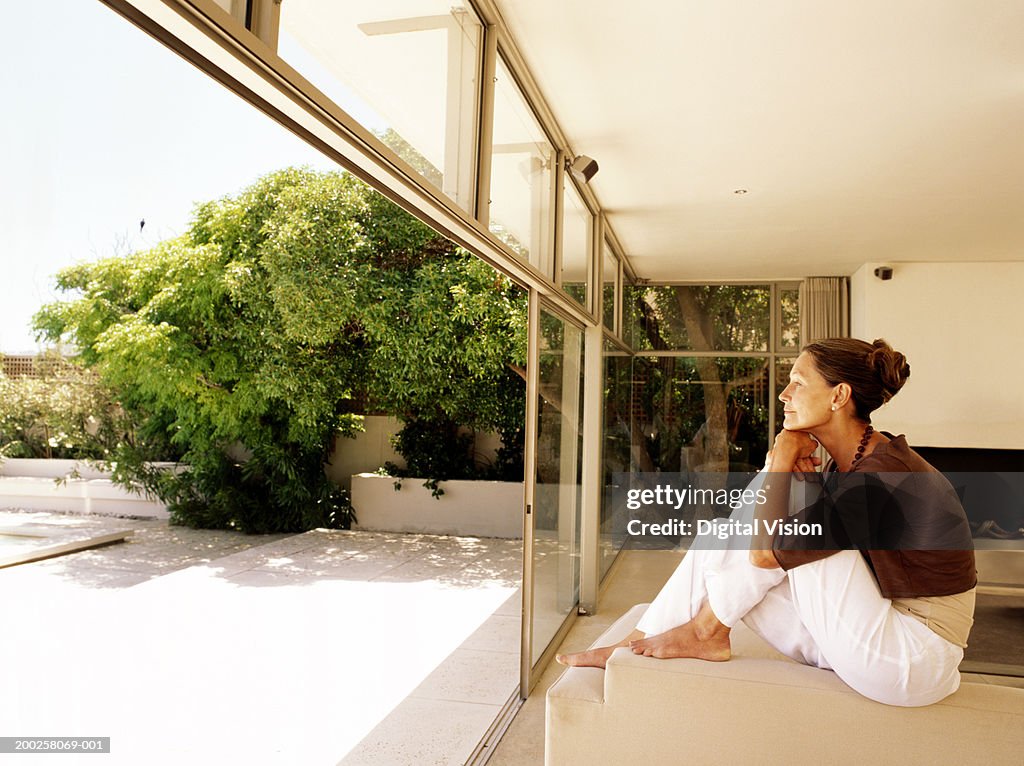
x,y
802,465
793,451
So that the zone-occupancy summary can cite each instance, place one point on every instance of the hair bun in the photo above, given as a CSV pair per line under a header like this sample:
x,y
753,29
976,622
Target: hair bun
x,y
890,366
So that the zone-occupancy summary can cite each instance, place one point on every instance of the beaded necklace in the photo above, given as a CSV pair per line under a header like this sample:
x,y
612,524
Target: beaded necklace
x,y
862,446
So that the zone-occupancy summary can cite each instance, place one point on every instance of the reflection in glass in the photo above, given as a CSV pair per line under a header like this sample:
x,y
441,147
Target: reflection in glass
x,y
577,235
358,54
610,280
556,509
782,370
706,414
522,161
616,451
699,317
789,318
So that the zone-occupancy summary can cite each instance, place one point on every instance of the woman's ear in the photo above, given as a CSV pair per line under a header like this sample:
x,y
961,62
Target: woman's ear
x,y
841,396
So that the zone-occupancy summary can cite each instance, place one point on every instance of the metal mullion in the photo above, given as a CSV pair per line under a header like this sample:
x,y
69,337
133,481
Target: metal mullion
x,y
597,256
596,286
485,127
568,308
591,475
620,295
726,354
558,216
617,342
608,240
710,283
263,18
774,325
559,311
529,489
773,317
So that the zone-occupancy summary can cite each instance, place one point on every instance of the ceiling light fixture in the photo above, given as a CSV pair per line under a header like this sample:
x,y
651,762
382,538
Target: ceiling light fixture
x,y
582,169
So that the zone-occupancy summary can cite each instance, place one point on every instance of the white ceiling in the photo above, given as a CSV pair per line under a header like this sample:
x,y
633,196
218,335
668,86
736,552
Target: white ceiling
x,y
862,130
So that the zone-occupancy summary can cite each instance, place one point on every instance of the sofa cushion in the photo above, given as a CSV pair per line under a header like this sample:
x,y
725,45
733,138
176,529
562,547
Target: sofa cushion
x,y
762,708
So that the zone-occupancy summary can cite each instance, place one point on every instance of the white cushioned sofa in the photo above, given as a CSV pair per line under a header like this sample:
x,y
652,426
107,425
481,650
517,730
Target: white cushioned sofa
x,y
763,708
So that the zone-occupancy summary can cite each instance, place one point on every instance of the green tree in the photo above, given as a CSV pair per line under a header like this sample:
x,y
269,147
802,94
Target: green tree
x,y
241,343
704,318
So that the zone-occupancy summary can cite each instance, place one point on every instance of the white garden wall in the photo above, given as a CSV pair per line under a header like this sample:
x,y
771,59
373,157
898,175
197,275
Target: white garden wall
x,y
467,508
69,486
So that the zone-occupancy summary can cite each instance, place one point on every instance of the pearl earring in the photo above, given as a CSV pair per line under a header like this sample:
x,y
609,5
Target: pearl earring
x,y
833,408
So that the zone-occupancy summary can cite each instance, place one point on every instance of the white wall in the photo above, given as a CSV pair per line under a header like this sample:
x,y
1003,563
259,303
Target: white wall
x,y
960,326
366,451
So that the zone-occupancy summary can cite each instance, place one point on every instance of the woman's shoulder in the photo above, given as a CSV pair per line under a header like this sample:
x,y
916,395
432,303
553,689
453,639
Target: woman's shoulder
x,y
894,455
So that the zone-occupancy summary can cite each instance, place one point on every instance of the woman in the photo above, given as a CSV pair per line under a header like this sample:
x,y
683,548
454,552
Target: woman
x,y
892,622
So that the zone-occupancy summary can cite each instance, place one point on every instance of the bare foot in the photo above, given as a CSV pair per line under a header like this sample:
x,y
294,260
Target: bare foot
x,y
684,641
594,658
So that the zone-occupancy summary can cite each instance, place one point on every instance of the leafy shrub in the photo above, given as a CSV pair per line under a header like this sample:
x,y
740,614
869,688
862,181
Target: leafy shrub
x,y
241,342
434,448
62,411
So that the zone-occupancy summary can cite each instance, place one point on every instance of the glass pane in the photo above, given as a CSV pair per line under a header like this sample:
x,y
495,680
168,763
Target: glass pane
x,y
700,414
629,322
616,453
577,236
408,70
556,508
699,317
609,282
521,165
782,370
789,318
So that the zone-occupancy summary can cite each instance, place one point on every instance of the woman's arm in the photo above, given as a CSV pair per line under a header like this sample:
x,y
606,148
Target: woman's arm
x,y
793,451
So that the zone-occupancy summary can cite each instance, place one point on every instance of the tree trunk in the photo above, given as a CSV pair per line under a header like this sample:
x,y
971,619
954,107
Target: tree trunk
x,y
698,327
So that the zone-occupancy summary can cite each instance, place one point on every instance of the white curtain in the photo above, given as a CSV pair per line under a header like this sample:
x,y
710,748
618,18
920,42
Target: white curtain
x,y
824,308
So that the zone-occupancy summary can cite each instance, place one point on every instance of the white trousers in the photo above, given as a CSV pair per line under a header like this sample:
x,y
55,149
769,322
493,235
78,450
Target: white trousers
x,y
829,614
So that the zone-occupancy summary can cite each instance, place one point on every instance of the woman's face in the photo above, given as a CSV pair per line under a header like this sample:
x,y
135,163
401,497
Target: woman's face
x,y
807,400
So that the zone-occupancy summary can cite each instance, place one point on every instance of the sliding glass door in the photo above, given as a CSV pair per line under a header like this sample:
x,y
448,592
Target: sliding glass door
x,y
553,521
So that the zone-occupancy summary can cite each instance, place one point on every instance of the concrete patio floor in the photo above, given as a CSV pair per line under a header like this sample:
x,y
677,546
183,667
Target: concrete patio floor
x,y
196,647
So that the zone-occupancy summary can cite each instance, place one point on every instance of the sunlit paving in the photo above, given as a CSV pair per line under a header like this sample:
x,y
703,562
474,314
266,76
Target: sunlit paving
x,y
317,648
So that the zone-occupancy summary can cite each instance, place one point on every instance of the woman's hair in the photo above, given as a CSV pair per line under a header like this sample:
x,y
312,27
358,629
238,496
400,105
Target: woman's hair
x,y
874,371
